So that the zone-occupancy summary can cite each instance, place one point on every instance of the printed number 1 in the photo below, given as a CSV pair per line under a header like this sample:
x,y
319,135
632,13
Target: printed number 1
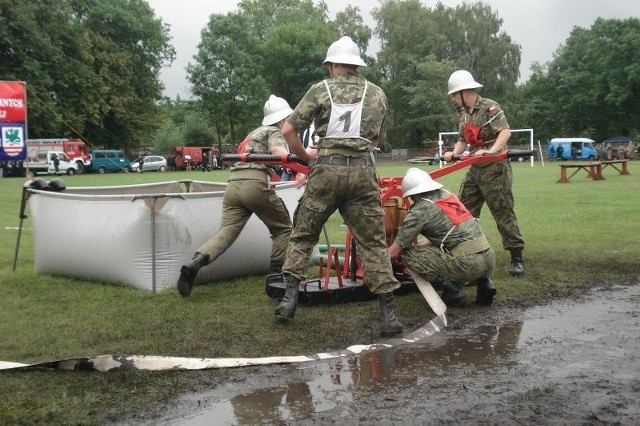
x,y
347,121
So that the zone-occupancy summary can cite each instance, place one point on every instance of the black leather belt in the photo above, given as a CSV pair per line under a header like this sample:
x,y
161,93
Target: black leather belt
x,y
338,160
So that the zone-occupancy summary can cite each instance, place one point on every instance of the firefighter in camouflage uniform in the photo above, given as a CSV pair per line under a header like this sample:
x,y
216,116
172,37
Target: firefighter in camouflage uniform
x,y
484,127
349,115
456,249
248,192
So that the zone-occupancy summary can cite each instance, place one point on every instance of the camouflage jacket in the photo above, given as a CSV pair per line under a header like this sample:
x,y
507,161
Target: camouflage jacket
x,y
346,88
427,219
262,140
487,114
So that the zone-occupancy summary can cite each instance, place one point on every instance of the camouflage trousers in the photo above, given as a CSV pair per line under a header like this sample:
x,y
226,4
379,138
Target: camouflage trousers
x,y
491,183
431,262
241,199
354,192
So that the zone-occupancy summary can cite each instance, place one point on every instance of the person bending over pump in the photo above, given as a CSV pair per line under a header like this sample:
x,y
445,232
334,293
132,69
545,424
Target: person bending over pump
x,y
456,249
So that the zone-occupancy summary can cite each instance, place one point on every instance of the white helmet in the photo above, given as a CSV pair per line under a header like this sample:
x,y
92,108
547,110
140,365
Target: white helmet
x,y
344,51
275,109
417,181
461,80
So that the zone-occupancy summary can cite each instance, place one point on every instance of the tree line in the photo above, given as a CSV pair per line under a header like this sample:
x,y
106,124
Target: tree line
x,y
92,70
91,67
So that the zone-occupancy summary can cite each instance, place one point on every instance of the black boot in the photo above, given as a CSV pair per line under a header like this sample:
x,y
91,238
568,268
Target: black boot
x,y
516,268
275,267
390,325
452,294
275,281
438,283
287,307
485,292
189,271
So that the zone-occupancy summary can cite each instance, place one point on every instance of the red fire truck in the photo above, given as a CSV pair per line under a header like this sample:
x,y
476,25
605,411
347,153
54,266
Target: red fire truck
x,y
191,156
75,149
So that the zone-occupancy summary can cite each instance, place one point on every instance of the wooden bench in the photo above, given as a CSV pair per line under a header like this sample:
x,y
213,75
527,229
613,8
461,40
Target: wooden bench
x,y
593,169
623,168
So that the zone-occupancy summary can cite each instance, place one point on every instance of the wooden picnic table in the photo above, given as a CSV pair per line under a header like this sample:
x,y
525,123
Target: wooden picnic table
x,y
593,169
623,170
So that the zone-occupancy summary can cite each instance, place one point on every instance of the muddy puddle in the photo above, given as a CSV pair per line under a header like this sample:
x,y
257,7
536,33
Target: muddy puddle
x,y
567,362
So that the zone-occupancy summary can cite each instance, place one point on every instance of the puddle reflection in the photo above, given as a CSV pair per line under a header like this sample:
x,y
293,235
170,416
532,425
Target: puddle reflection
x,y
317,388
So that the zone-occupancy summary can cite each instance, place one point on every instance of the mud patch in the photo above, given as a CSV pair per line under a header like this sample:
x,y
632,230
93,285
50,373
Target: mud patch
x,y
567,362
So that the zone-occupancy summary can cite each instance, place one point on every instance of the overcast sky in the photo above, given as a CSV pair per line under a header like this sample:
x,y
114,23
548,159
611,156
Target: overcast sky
x,y
538,26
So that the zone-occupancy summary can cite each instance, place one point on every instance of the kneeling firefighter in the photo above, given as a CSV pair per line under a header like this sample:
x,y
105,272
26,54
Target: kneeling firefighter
x,y
456,249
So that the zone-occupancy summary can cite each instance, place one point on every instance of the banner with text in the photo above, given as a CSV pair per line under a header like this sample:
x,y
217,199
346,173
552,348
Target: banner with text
x,y
13,118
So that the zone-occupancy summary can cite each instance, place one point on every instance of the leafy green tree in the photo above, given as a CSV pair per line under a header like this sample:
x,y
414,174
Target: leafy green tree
x,y
78,86
427,110
266,47
227,75
197,130
420,47
167,137
293,56
293,37
185,123
597,77
130,80
406,32
349,22
39,44
529,106
592,86
404,29
469,35
263,15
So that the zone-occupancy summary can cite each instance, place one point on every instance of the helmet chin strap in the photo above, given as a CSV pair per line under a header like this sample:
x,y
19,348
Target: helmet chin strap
x,y
464,104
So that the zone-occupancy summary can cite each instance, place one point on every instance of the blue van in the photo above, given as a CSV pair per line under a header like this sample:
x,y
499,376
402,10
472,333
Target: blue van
x,y
571,149
109,160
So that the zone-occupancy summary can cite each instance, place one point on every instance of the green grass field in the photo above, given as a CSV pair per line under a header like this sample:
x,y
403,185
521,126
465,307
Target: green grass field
x,y
577,235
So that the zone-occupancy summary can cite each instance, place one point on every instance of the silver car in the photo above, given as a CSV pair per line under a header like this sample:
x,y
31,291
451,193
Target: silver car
x,y
151,163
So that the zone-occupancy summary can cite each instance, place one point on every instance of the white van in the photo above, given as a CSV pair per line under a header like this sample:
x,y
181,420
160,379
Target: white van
x,y
44,163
